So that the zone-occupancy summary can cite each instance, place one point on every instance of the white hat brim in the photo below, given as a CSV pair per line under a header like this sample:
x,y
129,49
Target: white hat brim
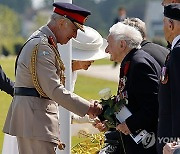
x,y
83,55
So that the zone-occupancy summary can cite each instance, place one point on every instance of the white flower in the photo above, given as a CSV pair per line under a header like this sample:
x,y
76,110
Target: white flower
x,y
105,93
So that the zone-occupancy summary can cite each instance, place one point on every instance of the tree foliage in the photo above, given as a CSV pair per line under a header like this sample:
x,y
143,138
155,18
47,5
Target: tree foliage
x,y
19,6
104,12
9,27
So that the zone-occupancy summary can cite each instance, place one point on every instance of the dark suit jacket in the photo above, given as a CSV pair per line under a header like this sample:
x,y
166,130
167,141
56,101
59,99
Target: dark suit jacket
x,y
169,99
142,87
5,83
158,52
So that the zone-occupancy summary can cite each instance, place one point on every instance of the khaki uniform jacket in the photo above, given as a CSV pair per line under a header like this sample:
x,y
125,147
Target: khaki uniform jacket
x,y
34,117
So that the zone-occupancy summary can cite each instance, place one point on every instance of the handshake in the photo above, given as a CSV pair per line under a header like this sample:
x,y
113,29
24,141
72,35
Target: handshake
x,y
95,109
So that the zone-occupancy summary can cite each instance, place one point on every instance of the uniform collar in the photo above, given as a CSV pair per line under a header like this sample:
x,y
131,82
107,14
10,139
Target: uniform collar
x,y
175,41
47,31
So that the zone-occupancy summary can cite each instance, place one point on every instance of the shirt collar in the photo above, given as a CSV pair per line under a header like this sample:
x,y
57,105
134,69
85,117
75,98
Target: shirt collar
x,y
175,41
47,31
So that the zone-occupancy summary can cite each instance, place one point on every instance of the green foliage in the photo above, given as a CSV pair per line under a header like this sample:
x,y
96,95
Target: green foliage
x,y
110,106
40,19
104,13
9,22
95,19
9,28
8,65
160,41
48,3
17,5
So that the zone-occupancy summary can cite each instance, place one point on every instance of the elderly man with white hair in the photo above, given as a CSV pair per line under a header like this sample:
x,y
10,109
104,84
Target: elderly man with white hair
x,y
139,80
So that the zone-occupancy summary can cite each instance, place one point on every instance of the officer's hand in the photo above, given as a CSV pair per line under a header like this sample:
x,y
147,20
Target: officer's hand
x,y
94,110
100,125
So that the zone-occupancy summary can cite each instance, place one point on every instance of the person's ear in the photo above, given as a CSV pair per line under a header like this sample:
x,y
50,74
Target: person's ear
x,y
122,44
171,24
61,22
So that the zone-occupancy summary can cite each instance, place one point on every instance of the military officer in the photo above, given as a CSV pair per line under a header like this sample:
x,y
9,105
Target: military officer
x,y
169,98
5,83
39,86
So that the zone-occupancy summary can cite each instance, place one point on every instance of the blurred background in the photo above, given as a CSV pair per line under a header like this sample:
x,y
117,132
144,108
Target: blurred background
x,y
20,18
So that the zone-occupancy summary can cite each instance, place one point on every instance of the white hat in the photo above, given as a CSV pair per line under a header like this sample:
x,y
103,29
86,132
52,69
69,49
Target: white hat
x,y
88,45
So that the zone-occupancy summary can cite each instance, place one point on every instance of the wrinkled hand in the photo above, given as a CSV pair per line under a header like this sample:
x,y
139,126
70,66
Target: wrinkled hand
x,y
100,125
95,109
123,128
169,148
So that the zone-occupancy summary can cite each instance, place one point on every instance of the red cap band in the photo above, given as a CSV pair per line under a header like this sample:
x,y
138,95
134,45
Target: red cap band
x,y
77,17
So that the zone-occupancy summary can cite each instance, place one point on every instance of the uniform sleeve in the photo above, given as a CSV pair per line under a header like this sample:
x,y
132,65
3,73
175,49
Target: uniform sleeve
x,y
174,79
5,83
50,83
144,96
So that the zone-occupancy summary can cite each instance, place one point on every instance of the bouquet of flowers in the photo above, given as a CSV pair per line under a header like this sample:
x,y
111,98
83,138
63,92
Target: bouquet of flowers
x,y
115,112
110,107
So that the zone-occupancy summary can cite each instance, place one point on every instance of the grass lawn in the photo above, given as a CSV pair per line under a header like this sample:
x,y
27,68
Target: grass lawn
x,y
5,100
86,87
103,62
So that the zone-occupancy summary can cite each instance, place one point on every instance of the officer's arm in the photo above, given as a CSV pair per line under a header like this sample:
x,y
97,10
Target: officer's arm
x,y
144,92
5,83
50,83
174,79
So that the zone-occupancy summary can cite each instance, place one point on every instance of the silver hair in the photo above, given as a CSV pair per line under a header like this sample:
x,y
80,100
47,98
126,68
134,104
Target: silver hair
x,y
173,20
127,33
56,17
138,24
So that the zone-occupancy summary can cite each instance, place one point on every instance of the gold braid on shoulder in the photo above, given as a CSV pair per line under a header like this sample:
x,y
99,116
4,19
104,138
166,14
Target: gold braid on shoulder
x,y
61,65
34,70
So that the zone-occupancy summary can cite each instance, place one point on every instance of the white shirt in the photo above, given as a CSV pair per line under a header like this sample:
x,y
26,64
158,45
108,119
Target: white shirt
x,y
175,41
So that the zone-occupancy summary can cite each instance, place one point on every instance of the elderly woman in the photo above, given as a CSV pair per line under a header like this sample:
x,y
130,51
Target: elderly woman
x,y
87,47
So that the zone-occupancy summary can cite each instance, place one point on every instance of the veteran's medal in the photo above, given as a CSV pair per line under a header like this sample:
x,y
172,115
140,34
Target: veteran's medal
x,y
61,145
122,83
123,79
164,75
